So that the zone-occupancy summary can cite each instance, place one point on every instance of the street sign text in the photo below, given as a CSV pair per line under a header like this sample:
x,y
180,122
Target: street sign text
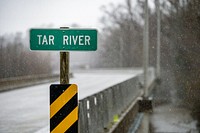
x,y
63,39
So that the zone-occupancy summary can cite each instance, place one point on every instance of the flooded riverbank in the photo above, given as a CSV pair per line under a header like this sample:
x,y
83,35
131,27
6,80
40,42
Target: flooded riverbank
x,y
170,118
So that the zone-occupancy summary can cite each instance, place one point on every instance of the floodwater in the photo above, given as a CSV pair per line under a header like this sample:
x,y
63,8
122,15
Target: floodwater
x,y
170,118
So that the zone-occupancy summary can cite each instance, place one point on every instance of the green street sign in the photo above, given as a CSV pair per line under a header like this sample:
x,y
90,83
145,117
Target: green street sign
x,y
63,39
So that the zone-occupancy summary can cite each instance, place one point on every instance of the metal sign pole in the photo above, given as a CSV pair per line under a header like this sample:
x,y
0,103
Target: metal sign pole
x,y
64,65
158,39
146,49
145,104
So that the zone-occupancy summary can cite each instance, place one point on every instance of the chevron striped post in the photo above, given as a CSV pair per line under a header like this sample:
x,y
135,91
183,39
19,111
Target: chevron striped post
x,y
63,108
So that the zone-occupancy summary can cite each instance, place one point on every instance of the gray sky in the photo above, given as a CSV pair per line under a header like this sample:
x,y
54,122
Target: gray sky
x,y
20,15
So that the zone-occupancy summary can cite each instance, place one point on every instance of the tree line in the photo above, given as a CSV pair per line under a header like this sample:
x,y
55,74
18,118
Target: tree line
x,y
16,59
182,38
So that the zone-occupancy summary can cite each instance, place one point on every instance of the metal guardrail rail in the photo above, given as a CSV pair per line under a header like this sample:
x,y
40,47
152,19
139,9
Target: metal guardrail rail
x,y
97,112
24,81
19,82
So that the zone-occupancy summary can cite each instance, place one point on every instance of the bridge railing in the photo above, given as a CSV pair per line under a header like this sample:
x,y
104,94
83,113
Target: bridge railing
x,y
97,113
23,81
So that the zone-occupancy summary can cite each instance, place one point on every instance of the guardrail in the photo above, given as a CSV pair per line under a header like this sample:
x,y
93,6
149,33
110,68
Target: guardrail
x,y
24,81
19,82
97,112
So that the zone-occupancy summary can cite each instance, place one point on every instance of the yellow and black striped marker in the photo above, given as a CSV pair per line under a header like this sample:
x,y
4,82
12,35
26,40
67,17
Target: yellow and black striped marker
x,y
63,108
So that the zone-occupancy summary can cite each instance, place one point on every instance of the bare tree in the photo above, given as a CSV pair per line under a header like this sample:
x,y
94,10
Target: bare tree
x,y
123,35
17,60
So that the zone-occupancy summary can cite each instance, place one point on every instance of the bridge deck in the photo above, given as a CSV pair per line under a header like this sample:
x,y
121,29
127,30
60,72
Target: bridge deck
x,y
27,110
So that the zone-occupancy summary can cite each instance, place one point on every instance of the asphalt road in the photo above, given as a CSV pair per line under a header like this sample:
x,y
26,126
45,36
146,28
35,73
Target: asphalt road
x,y
26,110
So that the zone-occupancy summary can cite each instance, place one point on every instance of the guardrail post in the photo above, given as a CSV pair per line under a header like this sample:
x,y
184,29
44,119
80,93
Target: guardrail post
x,y
118,100
121,101
106,109
99,112
83,118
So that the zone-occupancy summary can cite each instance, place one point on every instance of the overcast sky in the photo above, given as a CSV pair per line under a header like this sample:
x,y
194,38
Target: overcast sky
x,y
20,15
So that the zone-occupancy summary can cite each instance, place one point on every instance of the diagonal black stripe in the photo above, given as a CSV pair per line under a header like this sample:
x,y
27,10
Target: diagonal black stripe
x,y
64,111
56,90
73,128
